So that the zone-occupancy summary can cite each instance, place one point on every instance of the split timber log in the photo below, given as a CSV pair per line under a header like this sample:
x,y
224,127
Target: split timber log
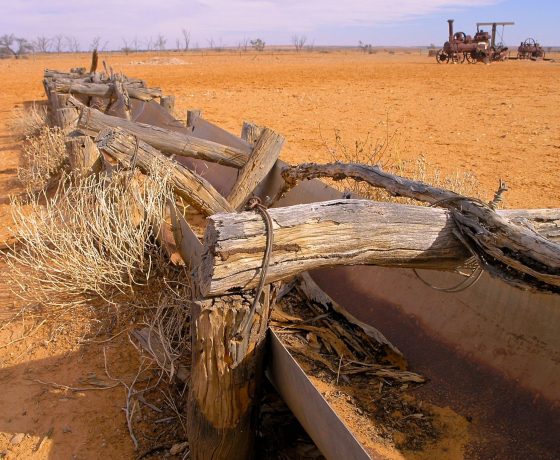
x,y
105,90
227,366
67,118
168,103
194,189
265,153
339,232
514,253
250,132
192,115
165,140
83,156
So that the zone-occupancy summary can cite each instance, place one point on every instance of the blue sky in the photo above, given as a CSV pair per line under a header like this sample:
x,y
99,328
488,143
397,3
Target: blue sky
x,y
326,22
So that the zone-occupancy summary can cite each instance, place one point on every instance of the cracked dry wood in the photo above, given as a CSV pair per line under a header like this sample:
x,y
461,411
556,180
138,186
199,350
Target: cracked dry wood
x,y
265,153
512,252
339,232
165,140
227,367
83,156
194,189
105,90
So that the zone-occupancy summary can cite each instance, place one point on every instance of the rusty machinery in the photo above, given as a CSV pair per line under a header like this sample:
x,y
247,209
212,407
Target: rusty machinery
x,y
461,47
530,49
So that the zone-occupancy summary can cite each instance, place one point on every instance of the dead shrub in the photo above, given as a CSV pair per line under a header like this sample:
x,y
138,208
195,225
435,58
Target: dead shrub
x,y
385,151
43,156
94,237
28,121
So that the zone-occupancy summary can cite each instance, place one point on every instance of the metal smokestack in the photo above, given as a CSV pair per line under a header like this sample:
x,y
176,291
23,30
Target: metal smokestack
x,y
450,21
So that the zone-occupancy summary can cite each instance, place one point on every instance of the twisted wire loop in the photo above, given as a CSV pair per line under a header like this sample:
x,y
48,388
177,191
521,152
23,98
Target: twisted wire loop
x,y
255,204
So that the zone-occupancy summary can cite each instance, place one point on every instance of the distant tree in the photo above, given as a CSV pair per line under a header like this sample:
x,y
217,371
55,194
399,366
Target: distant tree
x,y
73,44
42,44
149,44
366,47
160,42
10,45
258,44
126,49
96,44
243,44
186,39
211,43
58,43
299,41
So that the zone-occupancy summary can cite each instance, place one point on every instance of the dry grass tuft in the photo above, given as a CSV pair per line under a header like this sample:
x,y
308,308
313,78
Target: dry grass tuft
x,y
43,156
28,121
384,151
94,237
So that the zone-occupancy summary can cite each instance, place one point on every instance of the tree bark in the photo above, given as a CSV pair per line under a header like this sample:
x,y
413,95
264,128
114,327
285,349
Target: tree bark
x,y
514,253
165,140
194,189
339,232
105,90
265,153
227,367
67,118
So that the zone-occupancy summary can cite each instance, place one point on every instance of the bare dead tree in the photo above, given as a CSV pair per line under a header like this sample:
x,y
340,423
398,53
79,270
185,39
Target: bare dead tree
x,y
186,39
243,44
149,44
58,43
73,44
126,49
42,44
211,43
95,43
177,44
10,45
160,42
299,41
135,44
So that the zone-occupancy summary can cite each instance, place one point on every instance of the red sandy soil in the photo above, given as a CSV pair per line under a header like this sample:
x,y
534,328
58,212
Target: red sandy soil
x,y
498,121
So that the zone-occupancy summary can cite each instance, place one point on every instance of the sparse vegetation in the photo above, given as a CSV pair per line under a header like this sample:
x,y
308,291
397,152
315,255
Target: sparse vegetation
x,y
258,44
299,42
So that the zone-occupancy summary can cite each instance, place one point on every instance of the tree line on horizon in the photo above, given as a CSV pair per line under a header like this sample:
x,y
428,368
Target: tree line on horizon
x,y
17,47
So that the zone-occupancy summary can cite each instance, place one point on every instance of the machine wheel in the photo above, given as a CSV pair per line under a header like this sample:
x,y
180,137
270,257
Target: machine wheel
x,y
442,57
530,42
458,58
470,58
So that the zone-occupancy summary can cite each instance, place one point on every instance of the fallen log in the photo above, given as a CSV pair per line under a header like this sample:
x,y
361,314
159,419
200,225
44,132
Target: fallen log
x,y
194,189
105,90
514,253
165,140
339,232
227,367
265,153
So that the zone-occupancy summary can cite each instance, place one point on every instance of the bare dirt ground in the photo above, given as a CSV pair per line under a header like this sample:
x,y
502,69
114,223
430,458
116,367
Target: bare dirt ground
x,y
498,121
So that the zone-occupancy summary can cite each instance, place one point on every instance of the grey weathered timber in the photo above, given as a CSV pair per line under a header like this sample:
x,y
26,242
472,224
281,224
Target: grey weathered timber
x,y
192,115
250,132
265,153
168,103
67,118
339,232
512,252
83,155
105,90
170,142
192,188
227,368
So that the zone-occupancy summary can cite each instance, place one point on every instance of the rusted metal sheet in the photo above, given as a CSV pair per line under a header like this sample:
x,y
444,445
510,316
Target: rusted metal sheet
x,y
310,408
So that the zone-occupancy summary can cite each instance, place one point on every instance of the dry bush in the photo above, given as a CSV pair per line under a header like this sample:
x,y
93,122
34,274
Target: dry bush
x,y
385,151
28,121
94,237
43,156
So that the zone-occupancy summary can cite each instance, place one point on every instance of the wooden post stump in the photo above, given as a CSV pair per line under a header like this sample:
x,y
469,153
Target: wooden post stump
x,y
227,368
192,115
168,103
